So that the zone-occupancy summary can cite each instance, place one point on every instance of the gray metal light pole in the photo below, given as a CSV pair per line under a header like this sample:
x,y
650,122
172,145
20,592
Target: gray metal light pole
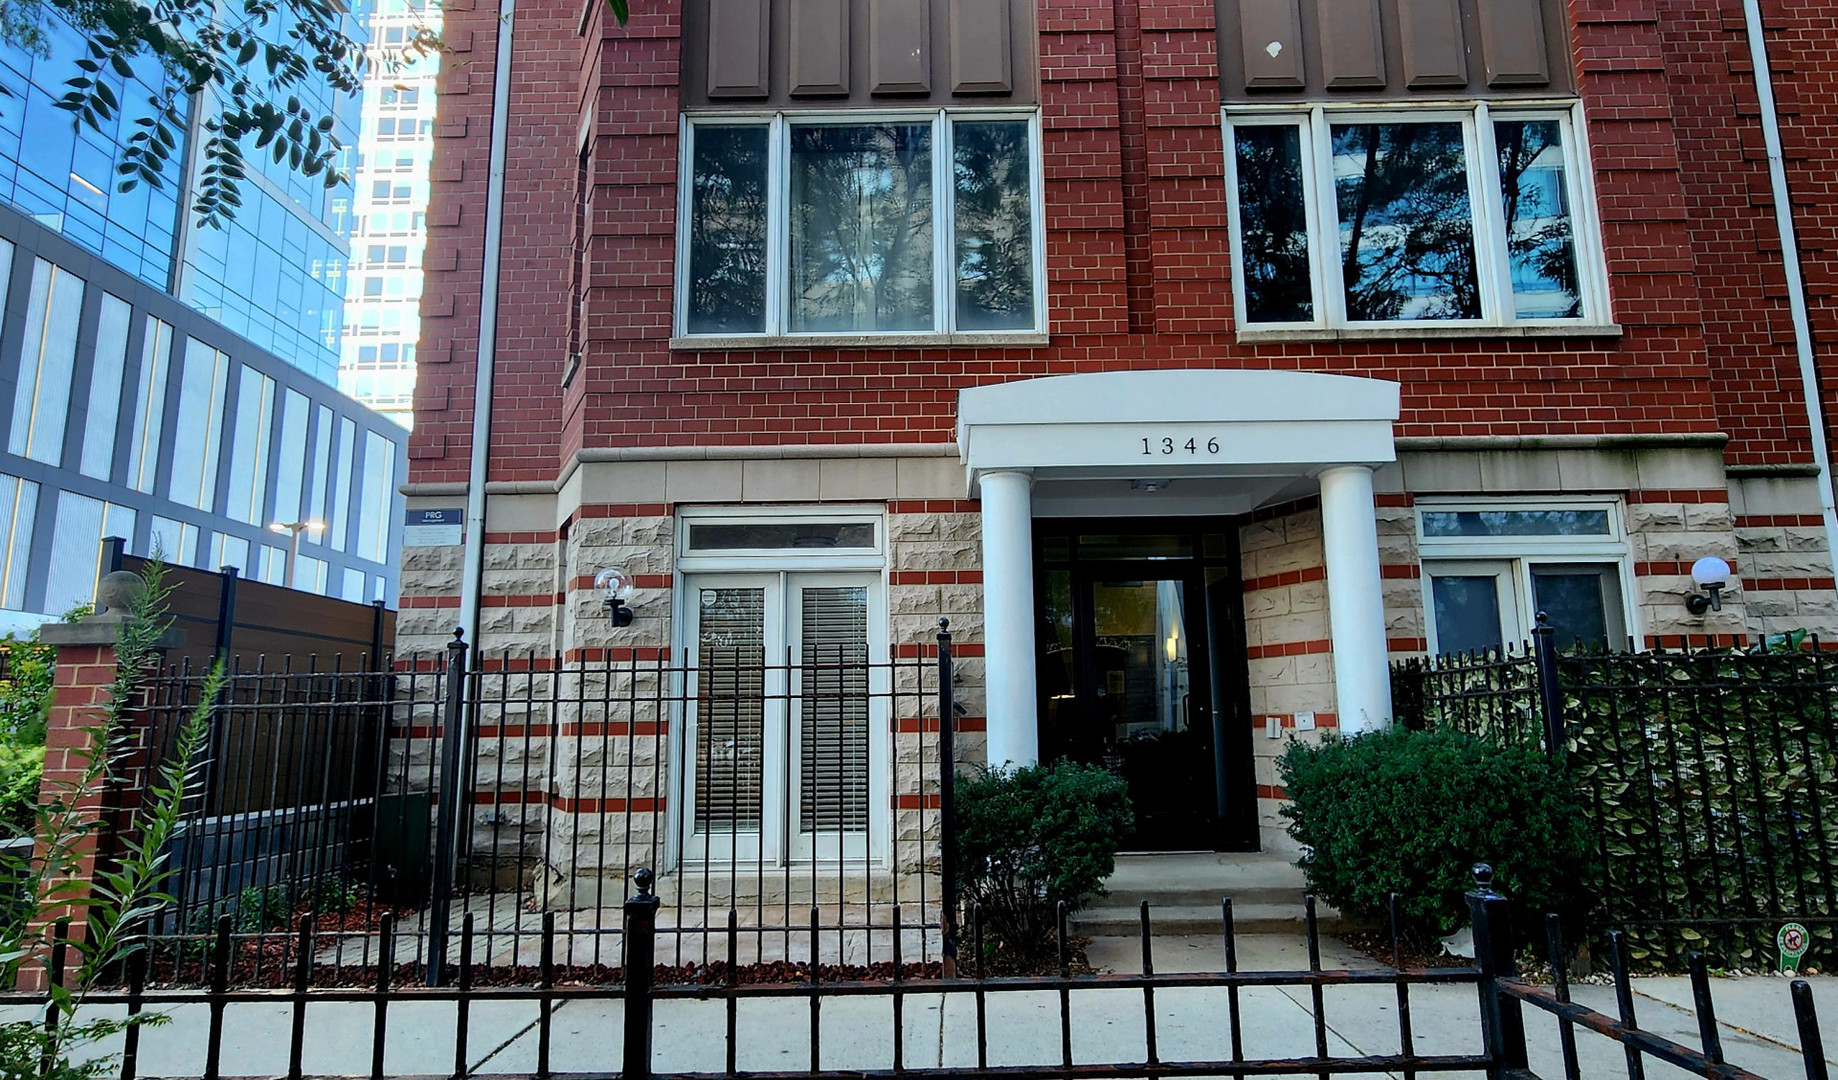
x,y
293,529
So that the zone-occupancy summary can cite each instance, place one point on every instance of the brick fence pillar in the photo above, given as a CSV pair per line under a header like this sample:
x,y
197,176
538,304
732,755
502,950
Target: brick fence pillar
x,y
82,684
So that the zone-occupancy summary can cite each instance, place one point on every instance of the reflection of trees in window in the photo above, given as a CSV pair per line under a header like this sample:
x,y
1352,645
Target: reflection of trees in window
x,y
727,233
1406,223
861,228
1273,225
1538,235
995,215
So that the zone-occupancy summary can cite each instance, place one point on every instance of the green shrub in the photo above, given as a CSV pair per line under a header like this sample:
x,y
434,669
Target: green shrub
x,y
1030,838
25,691
1412,812
21,768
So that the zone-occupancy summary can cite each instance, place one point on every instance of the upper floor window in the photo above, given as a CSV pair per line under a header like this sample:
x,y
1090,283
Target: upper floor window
x,y
899,224
1477,216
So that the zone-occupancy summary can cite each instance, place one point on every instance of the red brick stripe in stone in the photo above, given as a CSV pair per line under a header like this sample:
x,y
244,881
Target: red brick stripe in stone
x,y
936,577
1778,521
491,600
1408,644
1662,569
909,650
1401,571
617,727
1789,584
1283,580
1289,648
912,725
428,602
1680,495
1697,641
585,582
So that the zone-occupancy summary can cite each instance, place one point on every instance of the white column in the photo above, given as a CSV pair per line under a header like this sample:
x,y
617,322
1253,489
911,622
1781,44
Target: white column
x,y
1008,618
1355,599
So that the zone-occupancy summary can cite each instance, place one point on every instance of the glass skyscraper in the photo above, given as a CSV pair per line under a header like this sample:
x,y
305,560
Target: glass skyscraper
x,y
63,177
275,274
170,383
389,221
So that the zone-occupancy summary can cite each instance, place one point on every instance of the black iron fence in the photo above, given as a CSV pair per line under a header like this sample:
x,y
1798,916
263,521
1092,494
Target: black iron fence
x,y
1710,779
718,1019
766,793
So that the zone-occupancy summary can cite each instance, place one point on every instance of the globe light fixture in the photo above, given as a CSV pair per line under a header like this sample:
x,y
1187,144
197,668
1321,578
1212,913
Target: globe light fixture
x,y
1711,575
614,585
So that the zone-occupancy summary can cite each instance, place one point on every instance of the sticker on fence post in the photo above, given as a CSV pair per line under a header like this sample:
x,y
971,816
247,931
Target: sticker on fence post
x,y
1793,941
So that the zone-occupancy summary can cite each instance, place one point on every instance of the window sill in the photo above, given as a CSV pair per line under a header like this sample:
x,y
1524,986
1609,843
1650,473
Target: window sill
x,y
857,341
1426,333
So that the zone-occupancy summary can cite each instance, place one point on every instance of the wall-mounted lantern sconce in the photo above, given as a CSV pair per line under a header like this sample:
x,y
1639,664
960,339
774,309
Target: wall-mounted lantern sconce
x,y
615,585
1712,576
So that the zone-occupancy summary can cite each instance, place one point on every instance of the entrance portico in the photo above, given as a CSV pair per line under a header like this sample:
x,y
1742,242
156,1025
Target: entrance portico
x,y
1211,444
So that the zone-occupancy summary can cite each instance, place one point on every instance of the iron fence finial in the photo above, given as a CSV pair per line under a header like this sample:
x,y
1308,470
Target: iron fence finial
x,y
1483,877
645,880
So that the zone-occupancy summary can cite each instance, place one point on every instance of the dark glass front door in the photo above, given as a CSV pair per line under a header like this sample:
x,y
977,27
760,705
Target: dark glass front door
x,y
1142,671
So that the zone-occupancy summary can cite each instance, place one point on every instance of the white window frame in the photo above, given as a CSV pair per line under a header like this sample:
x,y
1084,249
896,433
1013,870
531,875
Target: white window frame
x,y
779,572
778,221
1462,555
1485,205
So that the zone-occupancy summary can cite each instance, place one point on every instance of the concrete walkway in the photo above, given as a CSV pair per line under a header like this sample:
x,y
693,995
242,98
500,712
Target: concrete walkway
x,y
1757,1022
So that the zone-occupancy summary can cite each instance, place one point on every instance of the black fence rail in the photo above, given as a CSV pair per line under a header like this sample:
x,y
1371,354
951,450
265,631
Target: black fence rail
x,y
723,1026
1710,778
763,791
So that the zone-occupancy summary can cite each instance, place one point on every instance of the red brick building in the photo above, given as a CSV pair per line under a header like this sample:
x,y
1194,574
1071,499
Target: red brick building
x,y
1192,356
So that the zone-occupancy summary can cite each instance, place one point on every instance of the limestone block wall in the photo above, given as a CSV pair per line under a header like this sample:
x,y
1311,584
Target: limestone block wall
x,y
1401,576
427,610
1289,652
1782,556
1667,531
935,572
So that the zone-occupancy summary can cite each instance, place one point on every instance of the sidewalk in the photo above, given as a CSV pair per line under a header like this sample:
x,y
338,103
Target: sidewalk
x,y
1756,1019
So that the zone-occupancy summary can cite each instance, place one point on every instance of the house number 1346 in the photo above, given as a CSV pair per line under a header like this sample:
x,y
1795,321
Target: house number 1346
x,y
1170,447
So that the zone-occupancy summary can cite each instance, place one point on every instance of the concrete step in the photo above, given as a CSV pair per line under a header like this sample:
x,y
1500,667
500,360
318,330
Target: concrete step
x,y
1201,920
1184,891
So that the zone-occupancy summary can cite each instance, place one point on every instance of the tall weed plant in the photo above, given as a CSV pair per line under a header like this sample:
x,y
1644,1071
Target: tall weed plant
x,y
118,901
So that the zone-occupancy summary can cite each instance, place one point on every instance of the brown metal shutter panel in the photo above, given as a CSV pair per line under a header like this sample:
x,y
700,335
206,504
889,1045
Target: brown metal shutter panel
x,y
730,710
1435,49
1270,34
820,48
1352,44
980,43
1513,43
833,711
900,46
738,49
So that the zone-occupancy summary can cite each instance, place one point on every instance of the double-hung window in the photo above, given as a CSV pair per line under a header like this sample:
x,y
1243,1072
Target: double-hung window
x,y
1367,218
894,224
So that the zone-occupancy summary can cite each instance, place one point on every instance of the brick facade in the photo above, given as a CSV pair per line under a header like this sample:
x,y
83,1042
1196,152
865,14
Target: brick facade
x,y
1686,411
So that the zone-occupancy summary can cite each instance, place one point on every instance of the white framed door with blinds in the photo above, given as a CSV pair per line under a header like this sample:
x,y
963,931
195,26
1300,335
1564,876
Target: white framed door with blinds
x,y
785,747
